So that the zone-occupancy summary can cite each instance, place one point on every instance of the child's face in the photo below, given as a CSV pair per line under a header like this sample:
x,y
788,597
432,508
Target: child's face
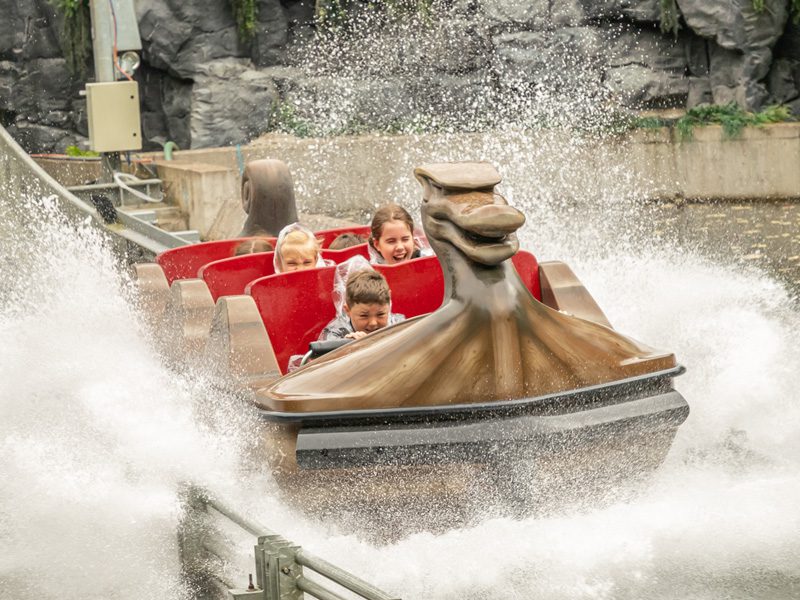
x,y
368,317
298,258
396,243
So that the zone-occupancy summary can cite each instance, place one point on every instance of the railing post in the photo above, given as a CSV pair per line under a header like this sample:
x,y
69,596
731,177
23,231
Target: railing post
x,y
277,571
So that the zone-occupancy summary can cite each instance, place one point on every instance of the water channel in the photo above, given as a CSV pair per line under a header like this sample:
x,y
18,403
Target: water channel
x,y
96,432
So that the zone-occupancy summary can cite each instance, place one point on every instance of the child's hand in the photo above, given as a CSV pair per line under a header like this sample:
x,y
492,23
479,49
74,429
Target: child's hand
x,y
356,335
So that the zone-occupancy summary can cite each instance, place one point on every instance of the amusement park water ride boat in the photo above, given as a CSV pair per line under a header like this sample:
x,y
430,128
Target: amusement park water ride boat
x,y
502,360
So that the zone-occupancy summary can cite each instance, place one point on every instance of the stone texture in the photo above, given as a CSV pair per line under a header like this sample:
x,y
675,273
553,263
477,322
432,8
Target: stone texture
x,y
783,82
644,11
648,48
556,56
736,77
272,32
735,24
533,14
639,86
42,138
230,104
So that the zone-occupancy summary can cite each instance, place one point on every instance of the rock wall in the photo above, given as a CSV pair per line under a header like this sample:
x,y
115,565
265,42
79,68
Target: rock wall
x,y
469,65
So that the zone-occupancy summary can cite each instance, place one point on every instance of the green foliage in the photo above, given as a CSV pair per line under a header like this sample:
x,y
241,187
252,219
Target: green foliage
x,y
76,152
669,16
76,34
649,123
730,116
244,11
286,120
794,8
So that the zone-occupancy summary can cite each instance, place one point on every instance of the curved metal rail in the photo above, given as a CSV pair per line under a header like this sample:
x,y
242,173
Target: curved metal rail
x,y
21,177
280,565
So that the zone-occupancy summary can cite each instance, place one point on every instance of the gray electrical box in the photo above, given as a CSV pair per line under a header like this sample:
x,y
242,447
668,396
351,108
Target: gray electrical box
x,y
113,112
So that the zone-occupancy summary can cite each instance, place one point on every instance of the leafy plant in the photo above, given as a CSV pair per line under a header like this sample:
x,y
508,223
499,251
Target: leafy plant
x,y
730,116
244,11
286,120
649,123
76,152
794,8
669,16
76,34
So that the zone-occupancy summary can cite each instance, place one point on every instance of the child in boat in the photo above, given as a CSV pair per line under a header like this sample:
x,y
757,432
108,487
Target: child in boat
x,y
363,306
253,247
297,249
392,236
345,240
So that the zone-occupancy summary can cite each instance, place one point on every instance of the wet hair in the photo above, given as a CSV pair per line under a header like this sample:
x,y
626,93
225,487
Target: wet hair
x,y
300,238
367,287
253,247
389,212
345,240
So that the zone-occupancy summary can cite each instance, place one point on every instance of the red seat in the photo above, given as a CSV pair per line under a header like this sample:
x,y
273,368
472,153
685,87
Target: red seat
x,y
183,262
328,235
342,255
229,276
294,307
528,270
418,285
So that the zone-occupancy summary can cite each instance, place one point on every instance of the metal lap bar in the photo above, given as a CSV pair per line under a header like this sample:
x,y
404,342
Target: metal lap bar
x,y
279,564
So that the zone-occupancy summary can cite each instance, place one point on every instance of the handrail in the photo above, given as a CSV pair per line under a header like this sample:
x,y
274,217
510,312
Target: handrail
x,y
278,562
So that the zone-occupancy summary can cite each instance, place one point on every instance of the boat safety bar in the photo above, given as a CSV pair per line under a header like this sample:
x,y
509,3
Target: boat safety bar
x,y
280,565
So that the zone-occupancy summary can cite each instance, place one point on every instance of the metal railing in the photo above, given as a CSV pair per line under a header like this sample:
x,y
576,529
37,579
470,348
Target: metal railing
x,y
280,565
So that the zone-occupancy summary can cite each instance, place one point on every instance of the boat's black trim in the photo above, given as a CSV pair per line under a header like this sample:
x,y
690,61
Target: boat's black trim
x,y
475,440
624,389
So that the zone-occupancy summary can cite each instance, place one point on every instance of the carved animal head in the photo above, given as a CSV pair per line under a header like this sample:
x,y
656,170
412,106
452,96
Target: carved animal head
x,y
461,210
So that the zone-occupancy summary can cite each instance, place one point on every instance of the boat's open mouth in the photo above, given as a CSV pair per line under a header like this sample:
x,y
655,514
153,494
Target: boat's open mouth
x,y
484,239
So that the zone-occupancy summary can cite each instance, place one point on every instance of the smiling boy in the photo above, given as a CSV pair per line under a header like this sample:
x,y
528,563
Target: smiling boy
x,y
367,308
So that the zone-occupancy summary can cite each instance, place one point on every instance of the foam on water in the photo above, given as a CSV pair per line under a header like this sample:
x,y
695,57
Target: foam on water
x,y
97,434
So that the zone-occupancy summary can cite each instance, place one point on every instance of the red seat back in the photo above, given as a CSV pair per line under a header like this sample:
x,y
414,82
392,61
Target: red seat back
x,y
339,256
328,235
528,270
183,262
418,285
229,276
294,307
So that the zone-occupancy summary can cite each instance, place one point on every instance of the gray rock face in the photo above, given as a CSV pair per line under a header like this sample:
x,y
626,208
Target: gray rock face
x,y
42,138
643,11
230,104
736,77
557,56
735,24
640,86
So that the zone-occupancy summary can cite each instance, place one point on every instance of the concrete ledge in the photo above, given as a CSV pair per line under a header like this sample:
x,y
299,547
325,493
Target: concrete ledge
x,y
351,175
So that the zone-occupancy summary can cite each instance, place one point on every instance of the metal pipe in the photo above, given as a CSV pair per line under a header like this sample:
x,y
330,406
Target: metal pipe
x,y
340,576
314,589
102,41
249,526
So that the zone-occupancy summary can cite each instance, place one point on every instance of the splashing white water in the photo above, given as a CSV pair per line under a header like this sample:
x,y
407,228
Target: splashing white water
x,y
97,434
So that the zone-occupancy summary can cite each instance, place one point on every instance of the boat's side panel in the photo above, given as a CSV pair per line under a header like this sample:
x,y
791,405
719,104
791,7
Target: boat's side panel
x,y
469,441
